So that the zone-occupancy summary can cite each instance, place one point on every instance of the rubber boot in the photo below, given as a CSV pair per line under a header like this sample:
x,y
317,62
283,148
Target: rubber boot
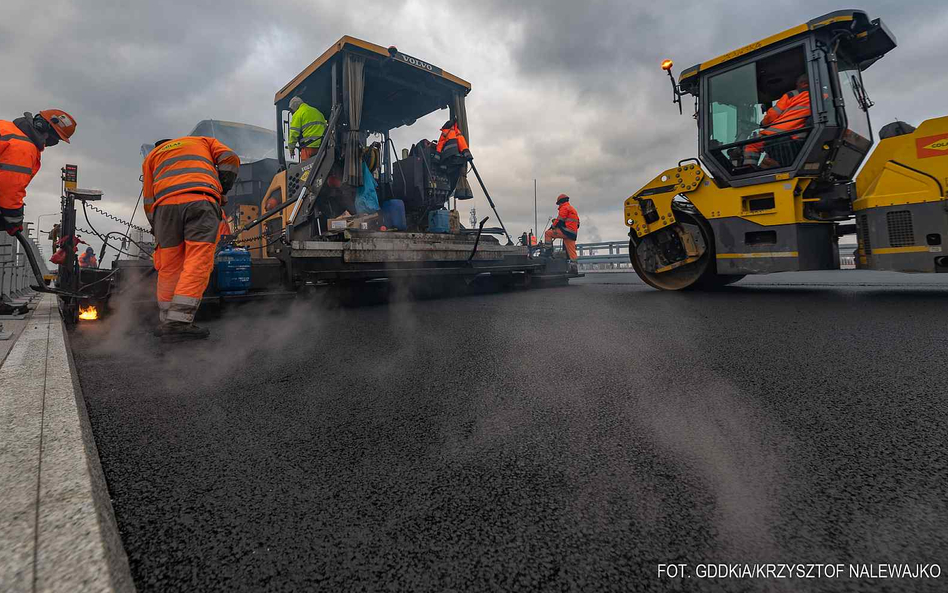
x,y
178,331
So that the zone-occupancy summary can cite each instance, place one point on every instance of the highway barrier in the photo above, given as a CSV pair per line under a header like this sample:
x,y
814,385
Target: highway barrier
x,y
15,273
614,255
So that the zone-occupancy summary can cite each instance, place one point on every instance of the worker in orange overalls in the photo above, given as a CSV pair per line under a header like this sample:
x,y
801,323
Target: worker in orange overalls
x,y
565,226
452,145
22,141
790,113
185,185
87,259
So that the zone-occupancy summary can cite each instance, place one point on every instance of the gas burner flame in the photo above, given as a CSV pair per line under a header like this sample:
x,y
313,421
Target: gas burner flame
x,y
88,313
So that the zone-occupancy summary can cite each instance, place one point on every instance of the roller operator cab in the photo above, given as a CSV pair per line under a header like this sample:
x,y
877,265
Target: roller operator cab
x,y
783,128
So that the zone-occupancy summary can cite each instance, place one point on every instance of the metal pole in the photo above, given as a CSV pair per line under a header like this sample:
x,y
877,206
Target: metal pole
x,y
491,202
536,223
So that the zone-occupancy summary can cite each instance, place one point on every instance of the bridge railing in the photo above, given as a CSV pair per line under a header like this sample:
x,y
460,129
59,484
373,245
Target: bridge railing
x,y
603,255
15,273
614,255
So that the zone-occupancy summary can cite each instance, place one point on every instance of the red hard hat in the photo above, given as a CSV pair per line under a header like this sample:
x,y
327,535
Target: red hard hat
x,y
61,121
562,198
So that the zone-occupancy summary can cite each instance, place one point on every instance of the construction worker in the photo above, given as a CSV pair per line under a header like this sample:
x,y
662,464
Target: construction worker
x,y
22,141
790,113
565,226
87,259
185,185
307,128
452,144
54,233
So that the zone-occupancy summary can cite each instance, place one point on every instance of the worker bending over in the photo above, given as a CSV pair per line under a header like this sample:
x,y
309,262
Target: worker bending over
x,y
565,226
87,259
790,113
307,128
185,182
22,141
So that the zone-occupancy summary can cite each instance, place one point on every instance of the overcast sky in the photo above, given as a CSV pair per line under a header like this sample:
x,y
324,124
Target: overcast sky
x,y
566,92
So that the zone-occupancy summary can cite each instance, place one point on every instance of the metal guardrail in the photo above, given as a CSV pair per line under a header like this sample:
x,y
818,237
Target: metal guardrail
x,y
607,255
604,255
847,256
15,273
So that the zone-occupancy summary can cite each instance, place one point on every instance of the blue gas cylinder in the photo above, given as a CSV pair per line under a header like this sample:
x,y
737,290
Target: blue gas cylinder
x,y
393,215
439,221
233,271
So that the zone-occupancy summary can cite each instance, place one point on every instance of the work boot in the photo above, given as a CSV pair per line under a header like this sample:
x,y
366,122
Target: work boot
x,y
573,268
178,331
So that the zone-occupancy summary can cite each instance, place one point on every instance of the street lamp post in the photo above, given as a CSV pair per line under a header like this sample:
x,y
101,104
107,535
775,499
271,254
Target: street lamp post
x,y
43,216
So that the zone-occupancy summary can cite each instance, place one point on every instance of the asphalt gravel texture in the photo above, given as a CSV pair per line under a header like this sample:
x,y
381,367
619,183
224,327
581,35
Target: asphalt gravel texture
x,y
564,439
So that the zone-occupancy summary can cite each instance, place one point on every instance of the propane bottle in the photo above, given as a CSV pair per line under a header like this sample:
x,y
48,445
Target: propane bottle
x,y
233,271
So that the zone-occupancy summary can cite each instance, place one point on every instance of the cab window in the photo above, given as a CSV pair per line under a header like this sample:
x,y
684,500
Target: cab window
x,y
856,104
759,113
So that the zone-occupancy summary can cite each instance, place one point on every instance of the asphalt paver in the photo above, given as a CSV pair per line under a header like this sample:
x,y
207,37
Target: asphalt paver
x,y
568,439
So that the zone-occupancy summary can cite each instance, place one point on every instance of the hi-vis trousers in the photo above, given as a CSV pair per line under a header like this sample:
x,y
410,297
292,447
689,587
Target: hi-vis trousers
x,y
568,242
187,228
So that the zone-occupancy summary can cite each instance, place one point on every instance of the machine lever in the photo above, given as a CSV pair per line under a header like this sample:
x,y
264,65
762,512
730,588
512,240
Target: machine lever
x,y
477,239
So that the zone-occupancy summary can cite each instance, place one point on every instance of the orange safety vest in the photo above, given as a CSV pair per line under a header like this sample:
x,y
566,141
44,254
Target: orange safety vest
x,y
567,219
790,113
19,163
452,142
87,261
184,167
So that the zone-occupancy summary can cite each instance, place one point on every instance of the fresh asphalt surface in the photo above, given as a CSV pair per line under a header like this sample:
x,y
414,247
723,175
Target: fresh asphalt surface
x,y
569,438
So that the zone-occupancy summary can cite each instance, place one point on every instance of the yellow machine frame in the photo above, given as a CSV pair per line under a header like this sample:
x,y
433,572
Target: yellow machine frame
x,y
689,229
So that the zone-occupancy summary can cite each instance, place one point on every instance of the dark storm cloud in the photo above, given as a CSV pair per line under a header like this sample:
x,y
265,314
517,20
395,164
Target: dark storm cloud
x,y
569,93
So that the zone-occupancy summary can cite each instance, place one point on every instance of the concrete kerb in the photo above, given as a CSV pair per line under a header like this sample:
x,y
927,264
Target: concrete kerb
x,y
57,526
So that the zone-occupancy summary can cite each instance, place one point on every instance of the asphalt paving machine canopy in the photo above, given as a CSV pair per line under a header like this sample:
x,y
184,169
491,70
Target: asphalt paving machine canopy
x,y
379,88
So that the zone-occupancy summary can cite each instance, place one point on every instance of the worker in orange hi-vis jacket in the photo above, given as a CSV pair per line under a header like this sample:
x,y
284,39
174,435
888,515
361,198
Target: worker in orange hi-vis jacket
x,y
185,185
791,112
87,259
565,226
22,142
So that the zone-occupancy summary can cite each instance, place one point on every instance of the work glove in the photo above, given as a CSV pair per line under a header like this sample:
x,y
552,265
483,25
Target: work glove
x,y
13,230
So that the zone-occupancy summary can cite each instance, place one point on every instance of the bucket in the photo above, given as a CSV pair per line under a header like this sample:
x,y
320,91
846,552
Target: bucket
x,y
393,215
439,221
233,271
